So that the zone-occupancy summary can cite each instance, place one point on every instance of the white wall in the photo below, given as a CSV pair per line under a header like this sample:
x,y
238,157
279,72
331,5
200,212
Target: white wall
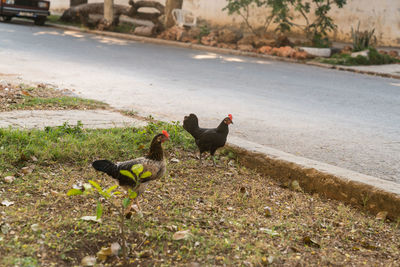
x,y
383,15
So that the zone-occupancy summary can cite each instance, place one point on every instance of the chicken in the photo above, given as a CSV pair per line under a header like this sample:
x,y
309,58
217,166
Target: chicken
x,y
207,139
153,162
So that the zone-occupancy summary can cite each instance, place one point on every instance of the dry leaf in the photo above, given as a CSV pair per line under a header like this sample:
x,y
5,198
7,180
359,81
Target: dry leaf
x,y
295,186
35,227
311,243
104,253
115,248
381,215
88,261
181,235
267,211
7,203
9,179
91,218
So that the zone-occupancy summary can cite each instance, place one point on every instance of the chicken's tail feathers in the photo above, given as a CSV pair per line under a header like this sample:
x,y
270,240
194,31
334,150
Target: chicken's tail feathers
x,y
106,166
191,124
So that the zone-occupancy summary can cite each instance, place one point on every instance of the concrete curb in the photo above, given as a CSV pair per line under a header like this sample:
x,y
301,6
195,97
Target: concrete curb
x,y
363,191
220,50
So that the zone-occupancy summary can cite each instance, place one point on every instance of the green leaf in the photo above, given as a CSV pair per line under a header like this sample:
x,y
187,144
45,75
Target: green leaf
x,y
145,175
137,169
96,185
117,193
125,202
74,192
128,174
99,211
109,190
133,195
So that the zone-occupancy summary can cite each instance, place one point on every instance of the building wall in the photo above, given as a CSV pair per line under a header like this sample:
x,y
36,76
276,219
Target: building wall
x,y
383,15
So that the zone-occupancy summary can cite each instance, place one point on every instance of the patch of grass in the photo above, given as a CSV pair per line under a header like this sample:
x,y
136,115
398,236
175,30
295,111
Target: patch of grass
x,y
374,58
43,97
124,28
56,20
63,102
223,207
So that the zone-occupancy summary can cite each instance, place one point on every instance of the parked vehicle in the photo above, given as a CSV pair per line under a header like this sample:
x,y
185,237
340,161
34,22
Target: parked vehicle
x,y
38,10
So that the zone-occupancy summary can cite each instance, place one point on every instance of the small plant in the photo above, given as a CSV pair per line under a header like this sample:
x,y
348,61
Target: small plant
x,y
136,173
204,31
279,13
362,39
316,25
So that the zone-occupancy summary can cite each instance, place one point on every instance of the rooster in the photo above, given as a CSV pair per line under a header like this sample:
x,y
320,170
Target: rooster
x,y
153,162
207,139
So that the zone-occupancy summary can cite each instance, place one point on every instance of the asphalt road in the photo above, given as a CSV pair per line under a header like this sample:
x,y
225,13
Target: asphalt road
x,y
344,119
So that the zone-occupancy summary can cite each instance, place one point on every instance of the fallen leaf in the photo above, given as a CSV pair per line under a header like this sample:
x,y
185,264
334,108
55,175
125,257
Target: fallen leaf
x,y
115,248
35,227
104,253
181,235
7,203
381,215
309,242
295,186
91,218
88,261
175,160
267,211
5,228
269,231
9,179
145,254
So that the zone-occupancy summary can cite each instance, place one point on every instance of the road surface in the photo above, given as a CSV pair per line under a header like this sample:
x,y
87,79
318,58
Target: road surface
x,y
344,119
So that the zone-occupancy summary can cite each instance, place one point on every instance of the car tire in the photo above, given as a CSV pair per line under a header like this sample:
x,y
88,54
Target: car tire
x,y
40,20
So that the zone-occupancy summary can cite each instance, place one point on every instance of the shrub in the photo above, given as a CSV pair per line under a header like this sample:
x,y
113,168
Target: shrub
x,y
362,39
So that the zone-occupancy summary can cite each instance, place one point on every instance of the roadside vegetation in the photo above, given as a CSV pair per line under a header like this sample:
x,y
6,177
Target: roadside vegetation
x,y
373,58
195,214
22,96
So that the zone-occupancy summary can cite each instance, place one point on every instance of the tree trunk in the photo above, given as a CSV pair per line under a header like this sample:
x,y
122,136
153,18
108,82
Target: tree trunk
x,y
169,6
108,12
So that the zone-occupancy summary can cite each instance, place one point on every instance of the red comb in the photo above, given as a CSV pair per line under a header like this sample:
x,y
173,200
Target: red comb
x,y
230,116
165,133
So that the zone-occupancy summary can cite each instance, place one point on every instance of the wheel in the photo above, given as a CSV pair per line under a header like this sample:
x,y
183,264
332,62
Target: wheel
x,y
40,20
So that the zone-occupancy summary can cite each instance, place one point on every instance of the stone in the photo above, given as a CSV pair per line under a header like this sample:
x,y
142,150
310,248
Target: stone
x,y
285,51
283,41
364,53
265,49
172,33
226,46
144,31
260,42
346,50
227,36
247,40
194,32
301,55
245,47
393,53
208,40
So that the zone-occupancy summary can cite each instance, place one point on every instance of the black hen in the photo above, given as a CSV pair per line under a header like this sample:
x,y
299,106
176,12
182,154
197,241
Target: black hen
x,y
207,139
153,162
